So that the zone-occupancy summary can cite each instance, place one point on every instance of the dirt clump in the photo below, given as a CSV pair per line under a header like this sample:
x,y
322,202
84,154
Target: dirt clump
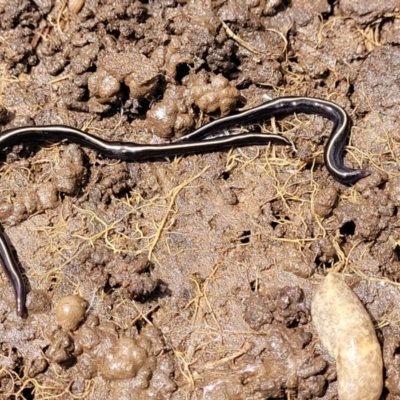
x,y
195,274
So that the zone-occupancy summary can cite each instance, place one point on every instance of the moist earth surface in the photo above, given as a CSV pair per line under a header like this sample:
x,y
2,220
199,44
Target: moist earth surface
x,y
192,277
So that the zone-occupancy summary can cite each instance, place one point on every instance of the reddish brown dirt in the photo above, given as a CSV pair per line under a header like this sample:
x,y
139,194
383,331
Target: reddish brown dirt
x,y
196,273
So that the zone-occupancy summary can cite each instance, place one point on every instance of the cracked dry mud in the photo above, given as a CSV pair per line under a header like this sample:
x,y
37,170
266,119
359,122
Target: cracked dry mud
x,y
192,278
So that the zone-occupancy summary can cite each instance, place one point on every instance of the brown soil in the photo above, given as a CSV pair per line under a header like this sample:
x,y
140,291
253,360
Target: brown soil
x,y
196,273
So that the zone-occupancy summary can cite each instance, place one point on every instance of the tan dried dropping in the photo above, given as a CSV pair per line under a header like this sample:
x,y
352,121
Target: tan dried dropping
x,y
346,331
75,5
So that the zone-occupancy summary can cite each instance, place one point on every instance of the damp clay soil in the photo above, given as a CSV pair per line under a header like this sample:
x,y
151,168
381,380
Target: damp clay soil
x,y
192,277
